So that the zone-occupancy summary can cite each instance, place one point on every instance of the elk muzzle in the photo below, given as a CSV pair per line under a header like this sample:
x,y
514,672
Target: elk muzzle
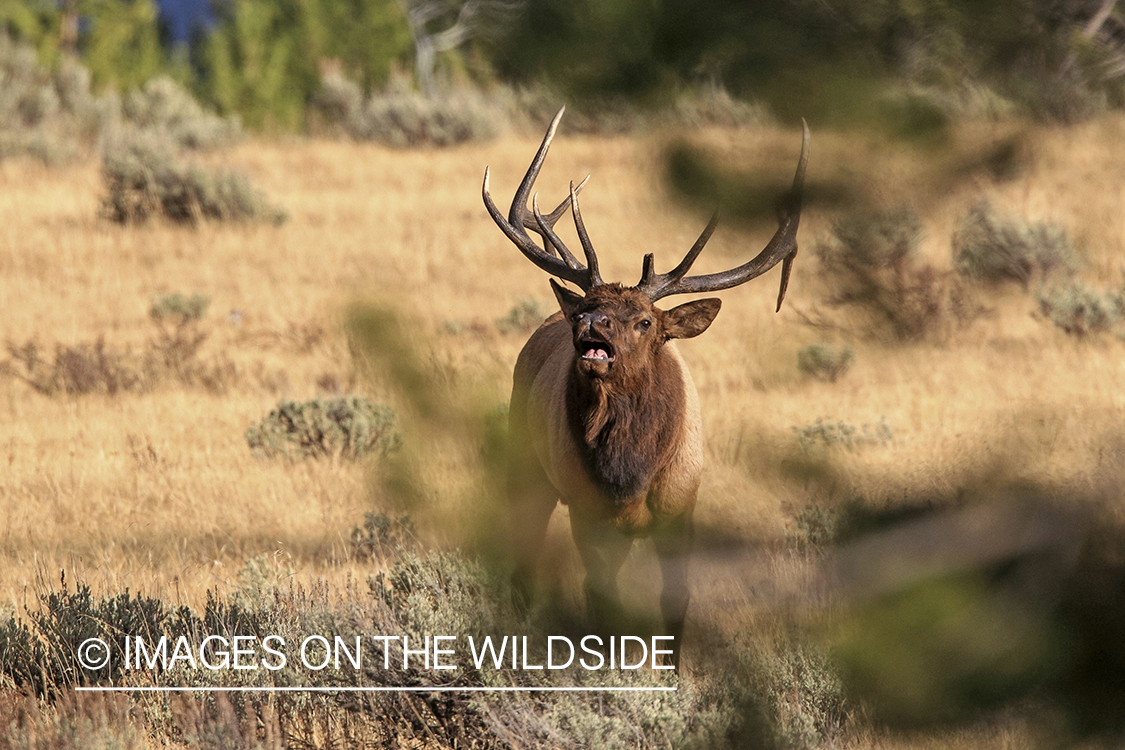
x,y
596,353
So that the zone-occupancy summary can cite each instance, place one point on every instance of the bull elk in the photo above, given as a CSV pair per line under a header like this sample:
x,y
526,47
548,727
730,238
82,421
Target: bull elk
x,y
604,415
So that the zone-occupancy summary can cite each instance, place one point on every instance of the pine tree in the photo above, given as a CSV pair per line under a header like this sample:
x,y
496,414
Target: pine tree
x,y
263,59
119,41
35,22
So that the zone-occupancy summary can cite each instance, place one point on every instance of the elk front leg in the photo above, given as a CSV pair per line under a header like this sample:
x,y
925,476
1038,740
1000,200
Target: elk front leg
x,y
603,550
673,546
531,500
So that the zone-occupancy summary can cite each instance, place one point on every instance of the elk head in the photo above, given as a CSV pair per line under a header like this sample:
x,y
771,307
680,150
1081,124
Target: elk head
x,y
617,329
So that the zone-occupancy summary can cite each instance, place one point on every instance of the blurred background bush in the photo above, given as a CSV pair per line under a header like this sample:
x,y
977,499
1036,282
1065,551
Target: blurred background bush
x,y
910,67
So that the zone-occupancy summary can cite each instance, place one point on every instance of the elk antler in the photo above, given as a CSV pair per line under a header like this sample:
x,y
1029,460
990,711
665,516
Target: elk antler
x,y
520,219
783,247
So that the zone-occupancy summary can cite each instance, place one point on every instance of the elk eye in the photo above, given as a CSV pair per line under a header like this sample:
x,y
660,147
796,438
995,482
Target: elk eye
x,y
644,325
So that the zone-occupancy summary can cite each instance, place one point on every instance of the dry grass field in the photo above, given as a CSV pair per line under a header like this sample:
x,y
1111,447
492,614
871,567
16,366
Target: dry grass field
x,y
157,491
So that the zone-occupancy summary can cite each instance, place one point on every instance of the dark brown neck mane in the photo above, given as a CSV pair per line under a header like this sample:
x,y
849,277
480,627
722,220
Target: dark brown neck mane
x,y
627,429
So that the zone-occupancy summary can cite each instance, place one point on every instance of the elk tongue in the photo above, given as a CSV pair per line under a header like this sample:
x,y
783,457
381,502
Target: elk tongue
x,y
594,352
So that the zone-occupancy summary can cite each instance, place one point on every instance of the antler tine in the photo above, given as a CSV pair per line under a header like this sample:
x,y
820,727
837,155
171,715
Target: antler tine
x,y
552,241
553,217
782,247
537,255
518,211
584,238
653,283
515,226
532,223
648,269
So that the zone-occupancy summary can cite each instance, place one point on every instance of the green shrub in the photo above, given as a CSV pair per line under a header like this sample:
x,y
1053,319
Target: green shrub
x,y
41,114
402,118
178,309
814,529
163,105
54,116
825,361
995,246
21,653
42,654
1068,96
1079,310
802,692
381,535
337,102
258,581
349,427
533,107
145,179
827,433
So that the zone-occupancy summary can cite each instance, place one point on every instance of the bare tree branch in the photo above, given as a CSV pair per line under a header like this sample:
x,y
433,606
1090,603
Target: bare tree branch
x,y
471,18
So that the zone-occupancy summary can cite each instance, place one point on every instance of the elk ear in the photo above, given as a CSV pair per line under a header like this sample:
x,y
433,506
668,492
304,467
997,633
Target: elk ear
x,y
568,300
690,319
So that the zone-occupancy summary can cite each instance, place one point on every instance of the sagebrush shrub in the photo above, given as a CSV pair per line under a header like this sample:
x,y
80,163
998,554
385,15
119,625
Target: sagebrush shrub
x,y
180,337
416,595
814,529
41,654
827,433
350,427
1080,311
338,101
825,361
403,119
163,105
54,116
400,117
41,114
534,106
178,309
381,535
713,105
871,262
802,691
876,241
994,246
145,179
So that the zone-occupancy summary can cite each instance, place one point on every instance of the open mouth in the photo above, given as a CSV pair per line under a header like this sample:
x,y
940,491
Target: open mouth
x,y
592,350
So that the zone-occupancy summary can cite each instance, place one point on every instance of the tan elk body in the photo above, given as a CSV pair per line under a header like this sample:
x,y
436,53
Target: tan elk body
x,y
604,415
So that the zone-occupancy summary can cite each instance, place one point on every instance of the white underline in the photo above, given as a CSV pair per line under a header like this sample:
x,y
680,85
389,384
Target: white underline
x,y
376,689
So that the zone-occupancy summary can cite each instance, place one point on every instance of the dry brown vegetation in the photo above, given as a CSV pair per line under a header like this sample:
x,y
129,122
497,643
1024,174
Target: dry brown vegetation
x,y
157,490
